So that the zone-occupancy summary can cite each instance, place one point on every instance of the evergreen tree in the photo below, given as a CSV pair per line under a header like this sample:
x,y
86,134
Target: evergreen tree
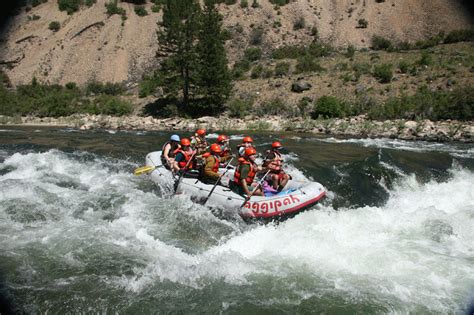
x,y
177,38
214,80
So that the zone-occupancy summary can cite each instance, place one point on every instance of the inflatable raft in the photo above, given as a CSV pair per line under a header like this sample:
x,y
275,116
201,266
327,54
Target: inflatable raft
x,y
295,198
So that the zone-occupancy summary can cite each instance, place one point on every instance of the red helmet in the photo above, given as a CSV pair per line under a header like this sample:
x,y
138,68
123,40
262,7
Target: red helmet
x,y
222,138
250,151
215,148
276,145
185,142
247,139
201,132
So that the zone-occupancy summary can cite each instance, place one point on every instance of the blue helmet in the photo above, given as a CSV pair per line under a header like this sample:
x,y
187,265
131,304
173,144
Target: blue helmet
x,y
174,138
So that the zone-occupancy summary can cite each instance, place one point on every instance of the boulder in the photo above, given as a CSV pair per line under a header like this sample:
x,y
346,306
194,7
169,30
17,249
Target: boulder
x,y
299,86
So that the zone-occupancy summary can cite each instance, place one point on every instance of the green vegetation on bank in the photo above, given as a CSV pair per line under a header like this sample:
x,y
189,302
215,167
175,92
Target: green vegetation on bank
x,y
55,100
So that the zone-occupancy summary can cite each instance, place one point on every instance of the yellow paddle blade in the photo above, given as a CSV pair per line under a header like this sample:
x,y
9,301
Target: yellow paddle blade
x,y
143,170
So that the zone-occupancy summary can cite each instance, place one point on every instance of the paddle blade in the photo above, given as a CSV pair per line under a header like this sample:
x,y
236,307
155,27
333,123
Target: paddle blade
x,y
143,170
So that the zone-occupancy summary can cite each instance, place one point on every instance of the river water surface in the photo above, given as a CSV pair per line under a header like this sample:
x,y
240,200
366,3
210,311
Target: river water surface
x,y
80,233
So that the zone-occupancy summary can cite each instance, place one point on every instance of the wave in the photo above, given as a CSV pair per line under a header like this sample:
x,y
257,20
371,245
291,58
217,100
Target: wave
x,y
458,150
82,210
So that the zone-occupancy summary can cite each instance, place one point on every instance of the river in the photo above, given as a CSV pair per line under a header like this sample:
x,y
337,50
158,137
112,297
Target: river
x,y
80,233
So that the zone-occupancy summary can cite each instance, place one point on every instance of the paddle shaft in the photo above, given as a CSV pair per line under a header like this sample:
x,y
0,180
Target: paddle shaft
x,y
256,187
217,182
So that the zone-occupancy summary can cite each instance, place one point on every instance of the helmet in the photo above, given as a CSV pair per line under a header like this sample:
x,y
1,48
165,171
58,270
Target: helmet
x,y
174,138
250,151
247,139
201,132
222,138
276,145
185,142
215,148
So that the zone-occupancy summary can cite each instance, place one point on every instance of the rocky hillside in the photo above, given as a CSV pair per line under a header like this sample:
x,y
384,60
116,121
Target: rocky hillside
x,y
90,45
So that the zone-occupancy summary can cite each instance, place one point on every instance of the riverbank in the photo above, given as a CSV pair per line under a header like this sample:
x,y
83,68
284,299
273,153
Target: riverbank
x,y
359,126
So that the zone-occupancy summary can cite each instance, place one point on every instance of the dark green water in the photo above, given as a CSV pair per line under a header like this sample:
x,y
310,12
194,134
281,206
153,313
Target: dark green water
x,y
80,233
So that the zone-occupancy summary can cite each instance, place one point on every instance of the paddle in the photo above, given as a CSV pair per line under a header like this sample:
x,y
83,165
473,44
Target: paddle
x,y
145,169
258,184
176,184
217,182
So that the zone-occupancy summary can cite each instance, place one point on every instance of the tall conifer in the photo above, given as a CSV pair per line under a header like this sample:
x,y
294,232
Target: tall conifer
x,y
214,79
177,38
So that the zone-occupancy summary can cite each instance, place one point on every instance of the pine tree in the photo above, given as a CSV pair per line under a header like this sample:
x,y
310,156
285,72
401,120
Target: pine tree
x,y
177,38
214,79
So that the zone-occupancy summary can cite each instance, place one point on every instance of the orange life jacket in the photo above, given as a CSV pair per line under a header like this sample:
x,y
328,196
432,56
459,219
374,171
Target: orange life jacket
x,y
187,156
250,176
274,164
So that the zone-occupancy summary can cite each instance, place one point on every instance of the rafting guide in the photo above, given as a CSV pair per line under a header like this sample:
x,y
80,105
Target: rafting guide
x,y
205,172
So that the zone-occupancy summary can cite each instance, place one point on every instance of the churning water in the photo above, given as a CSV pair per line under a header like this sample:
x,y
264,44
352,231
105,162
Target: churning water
x,y
80,233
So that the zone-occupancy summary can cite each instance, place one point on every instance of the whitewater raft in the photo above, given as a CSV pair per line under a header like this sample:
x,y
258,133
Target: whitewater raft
x,y
296,197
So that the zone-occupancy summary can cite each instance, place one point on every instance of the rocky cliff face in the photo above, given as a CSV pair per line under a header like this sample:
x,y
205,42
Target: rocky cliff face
x,y
92,46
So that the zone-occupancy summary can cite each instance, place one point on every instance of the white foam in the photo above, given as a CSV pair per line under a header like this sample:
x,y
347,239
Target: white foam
x,y
415,251
415,146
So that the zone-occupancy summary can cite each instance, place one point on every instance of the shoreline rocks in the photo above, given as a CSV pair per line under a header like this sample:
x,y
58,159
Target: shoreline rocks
x,y
359,126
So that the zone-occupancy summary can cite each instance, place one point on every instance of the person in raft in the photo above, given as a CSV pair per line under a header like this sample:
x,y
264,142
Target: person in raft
x,y
226,153
210,174
168,151
246,143
198,141
277,177
245,174
183,156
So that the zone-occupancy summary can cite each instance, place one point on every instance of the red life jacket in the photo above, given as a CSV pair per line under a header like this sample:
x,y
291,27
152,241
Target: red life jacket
x,y
187,156
216,164
250,176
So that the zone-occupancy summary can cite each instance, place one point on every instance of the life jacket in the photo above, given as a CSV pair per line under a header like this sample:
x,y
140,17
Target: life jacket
x,y
187,156
250,176
215,168
198,143
275,163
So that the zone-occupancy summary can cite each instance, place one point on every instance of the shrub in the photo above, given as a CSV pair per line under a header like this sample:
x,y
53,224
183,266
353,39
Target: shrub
x,y
350,52
256,36
107,88
308,64
71,86
459,36
279,2
89,3
240,68
383,73
362,23
319,50
244,4
381,43
273,107
315,32
260,71
253,54
425,60
282,68
112,9
404,66
35,3
291,52
230,2
54,26
239,108
255,4
304,105
299,23
328,107
141,11
155,8
110,105
70,6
